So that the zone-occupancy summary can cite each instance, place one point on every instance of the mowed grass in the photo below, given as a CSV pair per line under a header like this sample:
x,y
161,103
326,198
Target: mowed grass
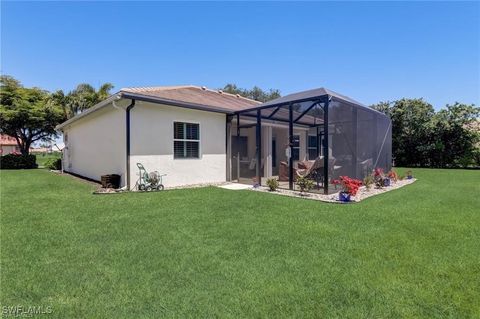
x,y
42,158
210,252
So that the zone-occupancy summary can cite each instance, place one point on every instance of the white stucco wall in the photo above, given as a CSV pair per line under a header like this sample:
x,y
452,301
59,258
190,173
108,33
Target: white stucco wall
x,y
152,144
95,144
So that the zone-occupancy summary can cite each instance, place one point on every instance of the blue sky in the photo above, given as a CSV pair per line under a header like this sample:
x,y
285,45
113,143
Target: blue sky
x,y
370,51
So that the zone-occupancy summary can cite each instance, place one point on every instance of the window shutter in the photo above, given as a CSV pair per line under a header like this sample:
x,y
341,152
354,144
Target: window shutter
x,y
186,140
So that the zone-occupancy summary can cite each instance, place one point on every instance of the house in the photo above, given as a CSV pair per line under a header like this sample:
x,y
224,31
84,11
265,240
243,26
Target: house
x,y
8,145
198,136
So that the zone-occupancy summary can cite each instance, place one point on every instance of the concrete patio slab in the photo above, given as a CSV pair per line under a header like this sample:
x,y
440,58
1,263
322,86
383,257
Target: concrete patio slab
x,y
235,186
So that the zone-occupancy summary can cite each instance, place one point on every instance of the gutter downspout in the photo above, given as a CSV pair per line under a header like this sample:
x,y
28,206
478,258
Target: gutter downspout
x,y
131,106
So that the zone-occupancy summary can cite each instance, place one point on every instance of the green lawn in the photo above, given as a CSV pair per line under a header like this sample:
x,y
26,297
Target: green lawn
x,y
210,252
43,158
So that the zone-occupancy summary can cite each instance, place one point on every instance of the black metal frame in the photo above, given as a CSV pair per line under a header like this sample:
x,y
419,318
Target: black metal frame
x,y
258,138
325,99
325,146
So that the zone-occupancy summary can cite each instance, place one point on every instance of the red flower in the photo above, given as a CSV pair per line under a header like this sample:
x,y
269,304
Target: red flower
x,y
393,175
349,185
378,172
335,182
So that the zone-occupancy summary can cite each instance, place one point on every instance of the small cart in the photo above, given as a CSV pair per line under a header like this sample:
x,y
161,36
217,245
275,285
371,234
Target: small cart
x,y
148,181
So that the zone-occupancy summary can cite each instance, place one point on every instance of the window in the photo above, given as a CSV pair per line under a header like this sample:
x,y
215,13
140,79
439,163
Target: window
x,y
186,140
312,147
240,145
296,148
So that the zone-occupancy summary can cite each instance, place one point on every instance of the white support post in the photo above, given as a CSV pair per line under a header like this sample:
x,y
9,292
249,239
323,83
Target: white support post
x,y
303,145
267,151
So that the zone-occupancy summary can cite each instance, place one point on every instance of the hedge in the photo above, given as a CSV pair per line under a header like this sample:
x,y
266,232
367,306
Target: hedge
x,y
54,163
13,161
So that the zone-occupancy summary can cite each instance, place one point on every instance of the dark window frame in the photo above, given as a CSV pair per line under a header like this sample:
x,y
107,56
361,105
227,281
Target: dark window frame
x,y
186,141
313,147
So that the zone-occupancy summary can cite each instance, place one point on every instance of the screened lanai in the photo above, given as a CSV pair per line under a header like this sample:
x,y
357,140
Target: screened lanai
x,y
317,134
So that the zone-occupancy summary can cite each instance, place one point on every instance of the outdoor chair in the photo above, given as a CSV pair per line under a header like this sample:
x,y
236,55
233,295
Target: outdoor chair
x,y
313,171
332,169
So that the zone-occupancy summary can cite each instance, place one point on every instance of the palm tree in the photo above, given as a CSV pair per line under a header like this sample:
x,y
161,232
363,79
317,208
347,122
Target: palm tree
x,y
104,91
83,97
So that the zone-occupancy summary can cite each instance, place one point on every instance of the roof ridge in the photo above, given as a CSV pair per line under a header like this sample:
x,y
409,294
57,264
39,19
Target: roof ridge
x,y
156,88
140,89
231,94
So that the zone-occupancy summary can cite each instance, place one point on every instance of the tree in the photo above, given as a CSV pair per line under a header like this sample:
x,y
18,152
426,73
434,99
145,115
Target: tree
x,y
412,131
421,137
255,93
384,107
27,114
83,97
456,134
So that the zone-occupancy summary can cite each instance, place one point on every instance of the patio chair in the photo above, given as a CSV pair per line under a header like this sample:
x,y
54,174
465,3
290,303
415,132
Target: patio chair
x,y
313,171
332,168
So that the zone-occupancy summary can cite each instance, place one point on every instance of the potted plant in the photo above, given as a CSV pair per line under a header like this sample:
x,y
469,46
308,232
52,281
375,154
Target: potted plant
x,y
350,187
272,184
393,176
254,181
343,195
386,181
378,177
305,184
382,179
409,174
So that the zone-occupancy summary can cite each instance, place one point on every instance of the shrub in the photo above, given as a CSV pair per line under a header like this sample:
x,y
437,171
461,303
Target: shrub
x,y
272,184
305,184
368,181
54,164
18,161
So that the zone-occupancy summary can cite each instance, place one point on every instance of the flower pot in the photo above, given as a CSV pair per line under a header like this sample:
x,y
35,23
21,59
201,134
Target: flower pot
x,y
344,197
386,182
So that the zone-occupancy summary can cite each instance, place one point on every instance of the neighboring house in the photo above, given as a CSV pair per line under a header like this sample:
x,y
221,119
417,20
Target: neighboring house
x,y
8,145
40,150
199,136
49,149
